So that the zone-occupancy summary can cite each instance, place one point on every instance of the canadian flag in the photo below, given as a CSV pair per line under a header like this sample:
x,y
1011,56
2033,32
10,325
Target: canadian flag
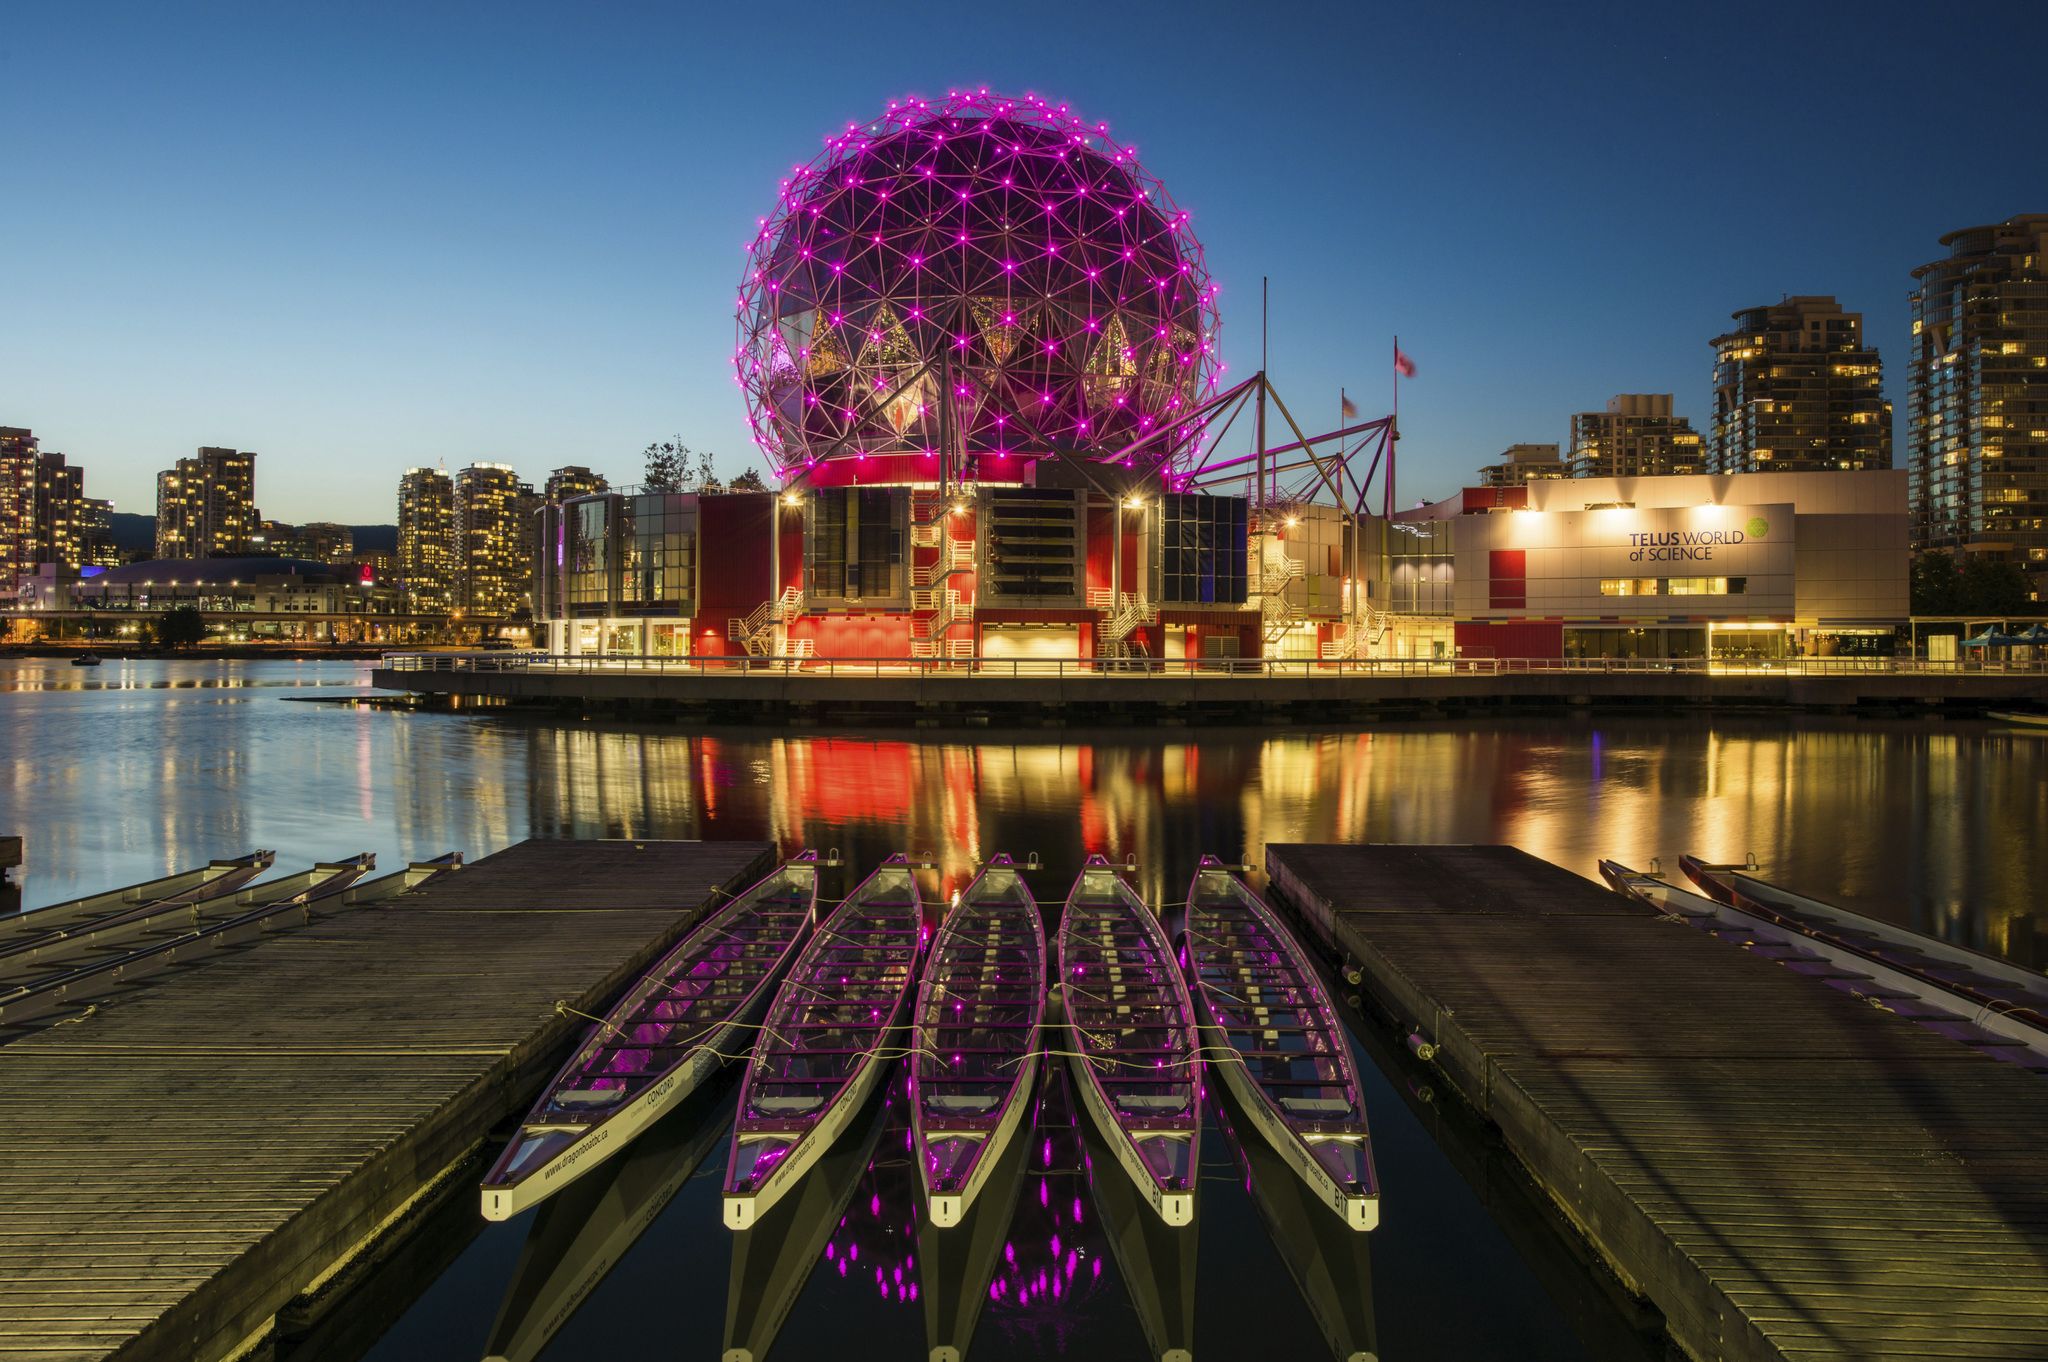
x,y
1403,365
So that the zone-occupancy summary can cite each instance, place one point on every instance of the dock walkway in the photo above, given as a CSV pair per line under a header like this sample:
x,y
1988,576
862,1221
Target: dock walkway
x,y
187,1158
1786,1172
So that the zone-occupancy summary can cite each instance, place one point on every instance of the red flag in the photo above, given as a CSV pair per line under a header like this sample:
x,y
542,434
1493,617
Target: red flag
x,y
1403,365
1346,405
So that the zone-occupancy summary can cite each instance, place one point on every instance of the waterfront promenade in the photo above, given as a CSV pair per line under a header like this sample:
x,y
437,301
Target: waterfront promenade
x,y
1330,689
195,1152
1784,1170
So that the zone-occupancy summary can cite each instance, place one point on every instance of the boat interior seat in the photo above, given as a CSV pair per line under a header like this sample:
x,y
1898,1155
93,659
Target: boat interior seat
x,y
1151,1102
963,1102
1316,1106
584,1099
786,1104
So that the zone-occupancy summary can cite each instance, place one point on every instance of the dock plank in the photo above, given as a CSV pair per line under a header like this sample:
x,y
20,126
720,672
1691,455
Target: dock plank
x,y
186,1158
1784,1170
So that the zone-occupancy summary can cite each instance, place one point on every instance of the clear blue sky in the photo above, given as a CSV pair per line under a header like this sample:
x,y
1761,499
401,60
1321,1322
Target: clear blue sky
x,y
358,237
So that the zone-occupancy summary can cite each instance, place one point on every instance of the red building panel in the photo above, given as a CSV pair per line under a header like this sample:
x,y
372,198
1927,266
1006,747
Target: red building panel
x,y
885,636
735,573
1509,638
791,546
1507,573
1494,499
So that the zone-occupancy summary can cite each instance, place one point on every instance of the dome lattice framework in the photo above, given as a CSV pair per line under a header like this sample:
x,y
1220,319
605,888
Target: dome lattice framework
x,y
998,247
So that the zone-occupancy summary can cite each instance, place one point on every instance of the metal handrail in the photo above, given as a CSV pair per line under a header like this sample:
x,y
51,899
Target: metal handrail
x,y
1204,668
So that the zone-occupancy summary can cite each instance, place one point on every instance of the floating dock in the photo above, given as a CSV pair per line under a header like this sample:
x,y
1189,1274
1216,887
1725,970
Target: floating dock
x,y
1783,1170
187,1158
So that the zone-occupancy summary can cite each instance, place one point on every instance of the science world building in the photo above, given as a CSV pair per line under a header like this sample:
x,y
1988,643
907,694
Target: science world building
x,y
978,346
972,336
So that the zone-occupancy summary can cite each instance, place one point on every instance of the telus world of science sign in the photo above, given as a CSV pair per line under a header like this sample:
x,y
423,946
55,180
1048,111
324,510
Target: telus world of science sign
x,y
1693,562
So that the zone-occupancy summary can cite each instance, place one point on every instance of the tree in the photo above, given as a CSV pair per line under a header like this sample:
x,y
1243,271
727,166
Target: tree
x,y
672,466
668,466
1937,587
180,627
1995,586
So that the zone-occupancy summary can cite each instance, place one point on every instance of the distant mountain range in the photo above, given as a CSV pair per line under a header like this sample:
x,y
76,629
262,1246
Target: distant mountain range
x,y
133,533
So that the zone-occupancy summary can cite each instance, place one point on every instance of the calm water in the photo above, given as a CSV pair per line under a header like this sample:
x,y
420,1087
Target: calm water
x,y
129,770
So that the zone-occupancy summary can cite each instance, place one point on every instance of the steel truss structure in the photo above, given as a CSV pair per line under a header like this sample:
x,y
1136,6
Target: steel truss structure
x,y
970,285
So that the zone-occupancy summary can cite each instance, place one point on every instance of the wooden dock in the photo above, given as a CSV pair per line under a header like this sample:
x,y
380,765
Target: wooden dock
x,y
188,1157
1784,1171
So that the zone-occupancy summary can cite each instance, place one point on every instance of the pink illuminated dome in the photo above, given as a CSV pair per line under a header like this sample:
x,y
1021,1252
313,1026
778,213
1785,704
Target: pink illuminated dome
x,y
999,252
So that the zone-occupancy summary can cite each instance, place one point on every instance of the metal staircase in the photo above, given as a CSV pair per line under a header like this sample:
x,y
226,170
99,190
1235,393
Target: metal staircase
x,y
934,610
935,607
1277,571
955,555
756,631
1123,613
1371,626
927,517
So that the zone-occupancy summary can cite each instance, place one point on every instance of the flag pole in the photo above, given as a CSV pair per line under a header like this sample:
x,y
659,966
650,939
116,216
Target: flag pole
x,y
1393,433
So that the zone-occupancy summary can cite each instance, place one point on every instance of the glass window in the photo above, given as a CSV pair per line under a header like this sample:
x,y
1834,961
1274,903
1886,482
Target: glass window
x,y
854,545
1202,549
659,542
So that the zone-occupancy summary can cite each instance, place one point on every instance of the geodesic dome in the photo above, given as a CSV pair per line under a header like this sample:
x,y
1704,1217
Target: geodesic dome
x,y
1000,248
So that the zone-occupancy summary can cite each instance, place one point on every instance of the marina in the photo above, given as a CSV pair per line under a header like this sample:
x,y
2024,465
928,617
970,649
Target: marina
x,y
1744,1148
1572,1062
782,721
207,1144
1997,988
1909,983
687,1018
1456,1200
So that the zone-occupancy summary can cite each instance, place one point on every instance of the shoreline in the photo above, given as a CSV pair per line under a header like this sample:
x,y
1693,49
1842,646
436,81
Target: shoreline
x,y
952,700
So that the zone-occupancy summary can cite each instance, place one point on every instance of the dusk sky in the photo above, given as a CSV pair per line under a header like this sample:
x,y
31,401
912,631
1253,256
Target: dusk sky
x,y
357,238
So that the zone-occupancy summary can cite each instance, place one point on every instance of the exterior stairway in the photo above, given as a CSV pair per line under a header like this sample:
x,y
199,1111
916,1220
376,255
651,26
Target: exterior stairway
x,y
1277,571
756,632
1371,626
1122,615
934,610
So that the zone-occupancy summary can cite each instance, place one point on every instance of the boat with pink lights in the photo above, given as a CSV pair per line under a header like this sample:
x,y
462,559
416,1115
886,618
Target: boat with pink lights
x,y
826,1041
1131,1037
685,1018
977,1022
1278,1042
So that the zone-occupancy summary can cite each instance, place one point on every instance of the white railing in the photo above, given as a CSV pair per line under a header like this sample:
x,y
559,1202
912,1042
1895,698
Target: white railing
x,y
755,629
935,610
1371,626
955,555
946,659
1132,611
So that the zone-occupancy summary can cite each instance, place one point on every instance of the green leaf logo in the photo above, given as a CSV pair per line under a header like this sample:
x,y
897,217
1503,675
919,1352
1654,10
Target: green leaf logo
x,y
1758,527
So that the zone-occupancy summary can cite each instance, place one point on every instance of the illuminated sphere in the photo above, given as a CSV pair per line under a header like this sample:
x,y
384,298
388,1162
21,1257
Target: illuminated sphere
x,y
998,245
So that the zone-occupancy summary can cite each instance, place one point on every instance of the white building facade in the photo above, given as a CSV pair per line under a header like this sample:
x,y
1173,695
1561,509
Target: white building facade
x,y
1726,566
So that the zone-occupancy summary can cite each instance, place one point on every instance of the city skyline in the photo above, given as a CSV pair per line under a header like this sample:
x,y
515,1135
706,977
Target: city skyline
x,y
323,287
